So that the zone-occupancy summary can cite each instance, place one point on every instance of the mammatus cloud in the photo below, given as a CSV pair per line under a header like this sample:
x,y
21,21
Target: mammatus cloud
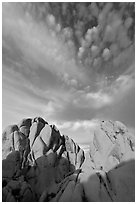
x,y
37,45
71,63
108,33
93,32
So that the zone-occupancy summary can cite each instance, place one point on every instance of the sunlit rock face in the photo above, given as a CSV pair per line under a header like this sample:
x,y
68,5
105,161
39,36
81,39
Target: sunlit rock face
x,y
40,164
112,145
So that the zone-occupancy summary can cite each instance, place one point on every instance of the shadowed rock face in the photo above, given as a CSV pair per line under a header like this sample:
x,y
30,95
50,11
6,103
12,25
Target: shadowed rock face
x,y
40,164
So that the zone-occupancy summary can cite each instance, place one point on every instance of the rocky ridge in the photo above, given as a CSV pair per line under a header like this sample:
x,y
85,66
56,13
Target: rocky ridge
x,y
41,164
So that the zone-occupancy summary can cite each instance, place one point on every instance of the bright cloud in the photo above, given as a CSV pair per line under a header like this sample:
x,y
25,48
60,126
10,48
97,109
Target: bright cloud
x,y
78,124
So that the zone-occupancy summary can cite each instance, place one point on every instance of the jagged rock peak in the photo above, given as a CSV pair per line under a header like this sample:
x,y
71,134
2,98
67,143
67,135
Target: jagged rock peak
x,y
42,152
40,164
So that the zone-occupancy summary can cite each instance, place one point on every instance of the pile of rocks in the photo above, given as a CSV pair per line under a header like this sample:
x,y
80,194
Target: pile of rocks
x,y
40,164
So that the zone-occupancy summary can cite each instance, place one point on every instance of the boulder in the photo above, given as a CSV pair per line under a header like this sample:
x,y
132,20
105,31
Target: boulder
x,y
122,182
111,145
44,156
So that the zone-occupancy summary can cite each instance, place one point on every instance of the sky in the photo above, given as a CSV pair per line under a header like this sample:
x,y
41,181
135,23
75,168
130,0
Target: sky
x,y
71,63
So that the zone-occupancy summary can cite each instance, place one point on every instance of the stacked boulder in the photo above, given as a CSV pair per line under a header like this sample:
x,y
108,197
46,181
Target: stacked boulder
x,y
36,158
40,164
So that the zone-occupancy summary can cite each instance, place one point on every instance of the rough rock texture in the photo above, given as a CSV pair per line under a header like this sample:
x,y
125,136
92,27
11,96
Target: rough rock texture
x,y
112,145
40,164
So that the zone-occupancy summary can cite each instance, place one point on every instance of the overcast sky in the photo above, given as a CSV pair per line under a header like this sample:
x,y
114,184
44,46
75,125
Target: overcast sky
x,y
72,64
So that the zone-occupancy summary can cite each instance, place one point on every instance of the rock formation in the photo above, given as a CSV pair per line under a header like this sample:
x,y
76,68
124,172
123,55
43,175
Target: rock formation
x,y
40,164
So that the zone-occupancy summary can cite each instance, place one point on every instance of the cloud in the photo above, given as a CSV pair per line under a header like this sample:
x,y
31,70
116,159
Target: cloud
x,y
121,107
37,45
108,39
47,37
124,58
128,22
71,63
104,104
77,124
93,100
123,110
94,9
94,51
81,131
100,98
86,124
123,103
51,20
106,54
24,98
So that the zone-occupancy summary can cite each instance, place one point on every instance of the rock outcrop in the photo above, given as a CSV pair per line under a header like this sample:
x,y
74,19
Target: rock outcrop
x,y
41,164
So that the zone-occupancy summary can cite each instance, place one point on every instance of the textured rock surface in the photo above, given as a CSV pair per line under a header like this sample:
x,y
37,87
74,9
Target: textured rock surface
x,y
112,144
40,164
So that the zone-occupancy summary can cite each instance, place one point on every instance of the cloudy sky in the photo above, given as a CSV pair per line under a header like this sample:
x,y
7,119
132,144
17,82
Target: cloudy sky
x,y
70,63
